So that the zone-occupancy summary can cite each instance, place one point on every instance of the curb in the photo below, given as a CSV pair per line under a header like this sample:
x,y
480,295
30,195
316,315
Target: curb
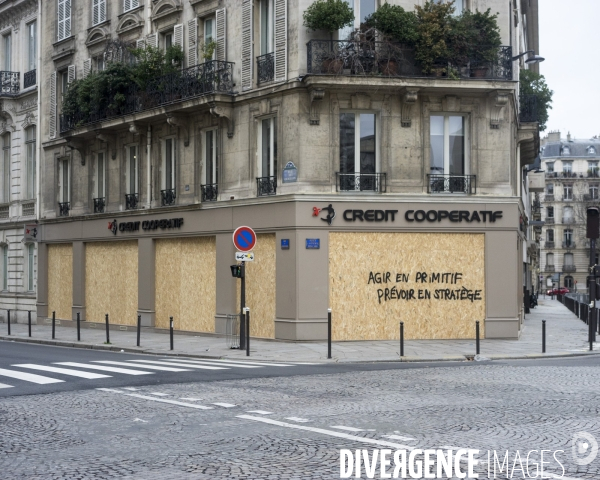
x,y
406,359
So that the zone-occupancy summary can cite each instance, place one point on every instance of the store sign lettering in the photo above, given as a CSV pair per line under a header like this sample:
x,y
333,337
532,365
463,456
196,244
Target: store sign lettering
x,y
354,215
163,224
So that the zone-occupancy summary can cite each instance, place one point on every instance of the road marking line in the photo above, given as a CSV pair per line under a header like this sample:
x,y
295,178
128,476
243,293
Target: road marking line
x,y
202,362
28,377
172,402
225,405
350,429
158,394
4,385
105,369
109,390
332,433
153,367
202,367
398,437
190,399
130,388
241,362
296,419
260,412
64,371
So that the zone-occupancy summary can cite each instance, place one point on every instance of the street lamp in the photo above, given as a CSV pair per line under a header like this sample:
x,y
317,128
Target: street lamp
x,y
533,59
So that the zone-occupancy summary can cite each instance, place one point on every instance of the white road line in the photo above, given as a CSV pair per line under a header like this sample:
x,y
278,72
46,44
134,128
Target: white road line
x,y
158,394
105,369
109,390
260,412
28,377
64,371
296,419
225,405
4,385
242,362
331,433
191,399
153,367
188,365
172,402
203,362
130,389
398,437
350,429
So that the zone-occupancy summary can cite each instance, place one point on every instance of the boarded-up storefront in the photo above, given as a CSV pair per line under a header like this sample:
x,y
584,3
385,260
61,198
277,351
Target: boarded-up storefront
x,y
60,289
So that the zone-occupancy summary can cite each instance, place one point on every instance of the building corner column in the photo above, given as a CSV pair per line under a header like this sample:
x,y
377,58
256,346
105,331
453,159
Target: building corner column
x,y
146,281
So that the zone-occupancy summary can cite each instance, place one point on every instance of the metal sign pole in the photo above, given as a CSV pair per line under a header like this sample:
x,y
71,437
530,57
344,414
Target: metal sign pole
x,y
242,307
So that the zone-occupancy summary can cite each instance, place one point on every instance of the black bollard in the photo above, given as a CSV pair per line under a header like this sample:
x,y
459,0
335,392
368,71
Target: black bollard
x,y
543,336
53,325
139,328
477,335
247,332
329,333
78,327
29,321
8,321
107,334
171,330
401,339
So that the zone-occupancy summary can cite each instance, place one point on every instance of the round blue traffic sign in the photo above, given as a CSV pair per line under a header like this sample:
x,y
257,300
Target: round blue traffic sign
x,y
244,239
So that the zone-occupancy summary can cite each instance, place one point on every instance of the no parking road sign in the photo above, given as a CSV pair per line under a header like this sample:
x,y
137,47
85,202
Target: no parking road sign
x,y
244,239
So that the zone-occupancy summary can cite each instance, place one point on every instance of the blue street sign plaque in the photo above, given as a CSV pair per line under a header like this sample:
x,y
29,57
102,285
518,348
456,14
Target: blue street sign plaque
x,y
285,243
313,243
290,173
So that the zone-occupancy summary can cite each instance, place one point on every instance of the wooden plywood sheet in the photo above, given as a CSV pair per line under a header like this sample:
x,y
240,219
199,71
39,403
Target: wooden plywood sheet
x,y
186,283
111,276
60,280
434,283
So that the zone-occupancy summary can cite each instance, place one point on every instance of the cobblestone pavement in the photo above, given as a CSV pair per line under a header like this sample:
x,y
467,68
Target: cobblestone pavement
x,y
134,434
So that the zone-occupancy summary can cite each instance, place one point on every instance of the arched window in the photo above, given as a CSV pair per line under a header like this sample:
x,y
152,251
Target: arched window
x,y
550,235
566,150
569,281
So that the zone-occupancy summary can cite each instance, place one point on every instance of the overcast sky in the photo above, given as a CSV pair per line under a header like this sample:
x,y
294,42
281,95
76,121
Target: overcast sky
x,y
569,40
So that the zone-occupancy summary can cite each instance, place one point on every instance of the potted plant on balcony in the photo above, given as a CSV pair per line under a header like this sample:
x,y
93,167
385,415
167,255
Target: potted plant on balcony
x,y
483,40
433,31
330,16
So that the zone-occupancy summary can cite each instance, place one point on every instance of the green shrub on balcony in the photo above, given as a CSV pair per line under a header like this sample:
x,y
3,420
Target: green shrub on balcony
x,y
395,23
328,15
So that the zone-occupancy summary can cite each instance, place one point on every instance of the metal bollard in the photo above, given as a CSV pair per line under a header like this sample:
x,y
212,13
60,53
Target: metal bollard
x,y
171,330
78,326
29,321
401,339
53,325
329,333
8,321
247,332
543,336
477,336
107,334
139,328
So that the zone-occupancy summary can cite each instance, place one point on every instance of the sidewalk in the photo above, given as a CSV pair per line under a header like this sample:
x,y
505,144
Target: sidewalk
x,y
566,336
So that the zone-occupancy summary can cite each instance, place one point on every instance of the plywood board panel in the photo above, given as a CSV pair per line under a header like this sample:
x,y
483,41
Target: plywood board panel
x,y
60,280
111,275
433,282
186,283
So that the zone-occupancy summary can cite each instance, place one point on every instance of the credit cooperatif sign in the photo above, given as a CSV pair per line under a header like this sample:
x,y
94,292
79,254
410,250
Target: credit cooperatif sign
x,y
162,224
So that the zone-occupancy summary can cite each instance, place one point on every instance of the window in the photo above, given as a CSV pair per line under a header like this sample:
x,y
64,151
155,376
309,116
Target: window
x,y
591,151
568,259
167,40
550,167
358,151
32,46
6,173
64,19
568,167
593,169
593,191
447,140
101,175
209,36
459,5
266,26
569,281
7,41
549,259
550,235
362,9
568,215
132,170
98,63
5,267
568,238
30,145
550,189
63,181
98,11
168,173
130,5
550,212
268,148
567,192
210,157
566,150
30,267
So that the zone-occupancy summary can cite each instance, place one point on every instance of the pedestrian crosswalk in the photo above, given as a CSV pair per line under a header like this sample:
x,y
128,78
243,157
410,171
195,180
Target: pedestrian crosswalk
x,y
63,371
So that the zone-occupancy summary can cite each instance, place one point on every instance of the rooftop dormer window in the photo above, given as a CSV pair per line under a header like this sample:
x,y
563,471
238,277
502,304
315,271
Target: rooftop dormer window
x,y
566,150
591,150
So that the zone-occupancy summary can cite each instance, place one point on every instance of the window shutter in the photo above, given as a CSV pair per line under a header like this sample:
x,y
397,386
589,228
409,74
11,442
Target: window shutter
x,y
70,74
95,12
102,12
126,5
61,20
247,45
178,35
67,18
280,40
221,30
152,40
192,44
87,67
53,105
140,43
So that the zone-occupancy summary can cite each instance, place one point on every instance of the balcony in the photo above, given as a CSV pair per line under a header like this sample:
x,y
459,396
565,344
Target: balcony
x,y
549,197
590,198
207,78
568,221
9,83
569,268
369,57
549,221
167,197
30,78
131,201
266,186
568,175
593,173
551,174
265,66
209,192
549,268
549,244
99,204
528,108
360,182
568,244
63,209
466,184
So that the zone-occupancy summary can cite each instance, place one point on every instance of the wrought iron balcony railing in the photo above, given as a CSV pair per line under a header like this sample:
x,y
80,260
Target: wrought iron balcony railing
x,y
29,78
549,221
9,83
210,77
388,59
131,201
590,198
528,108
568,220
210,192
549,268
99,204
569,268
568,244
266,186
451,184
361,182
549,197
549,244
63,209
168,196
265,66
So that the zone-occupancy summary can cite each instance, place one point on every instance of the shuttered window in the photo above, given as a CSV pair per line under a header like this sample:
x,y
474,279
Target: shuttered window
x,y
52,122
247,44
87,67
64,19
130,5
152,40
192,43
178,35
221,32
98,11
280,40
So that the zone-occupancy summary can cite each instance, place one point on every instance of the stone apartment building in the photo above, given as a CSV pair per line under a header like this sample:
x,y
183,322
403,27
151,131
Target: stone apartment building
x,y
376,191
19,47
572,180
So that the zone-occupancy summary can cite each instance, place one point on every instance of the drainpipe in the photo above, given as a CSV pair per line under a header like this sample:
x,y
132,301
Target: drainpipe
x,y
149,166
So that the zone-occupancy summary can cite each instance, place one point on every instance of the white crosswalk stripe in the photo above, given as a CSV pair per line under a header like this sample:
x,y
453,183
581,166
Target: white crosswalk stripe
x,y
28,377
64,371
150,367
205,362
103,368
4,385
238,362
188,365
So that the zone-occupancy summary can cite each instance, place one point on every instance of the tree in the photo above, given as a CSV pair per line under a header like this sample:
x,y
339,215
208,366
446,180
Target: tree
x,y
532,83
395,22
328,15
